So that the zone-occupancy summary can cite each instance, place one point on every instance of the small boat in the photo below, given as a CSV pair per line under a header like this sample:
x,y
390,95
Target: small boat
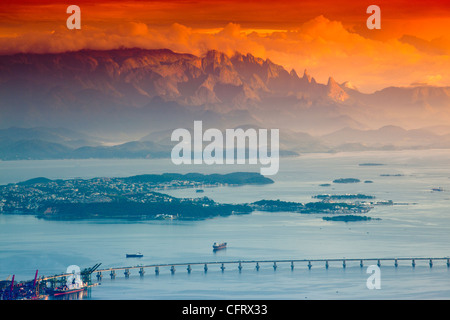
x,y
440,189
134,255
199,190
218,246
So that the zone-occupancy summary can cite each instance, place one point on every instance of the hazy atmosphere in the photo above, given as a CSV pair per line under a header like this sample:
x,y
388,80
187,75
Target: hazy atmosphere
x,y
117,158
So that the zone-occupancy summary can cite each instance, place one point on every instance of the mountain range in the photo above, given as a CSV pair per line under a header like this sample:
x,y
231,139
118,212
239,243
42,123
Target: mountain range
x,y
58,143
121,102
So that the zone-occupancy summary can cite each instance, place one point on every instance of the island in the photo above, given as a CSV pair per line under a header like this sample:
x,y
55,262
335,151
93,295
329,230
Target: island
x,y
144,207
343,196
346,180
142,197
349,218
135,197
309,207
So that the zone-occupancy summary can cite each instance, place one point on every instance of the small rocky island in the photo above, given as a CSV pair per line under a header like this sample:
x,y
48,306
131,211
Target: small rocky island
x,y
346,180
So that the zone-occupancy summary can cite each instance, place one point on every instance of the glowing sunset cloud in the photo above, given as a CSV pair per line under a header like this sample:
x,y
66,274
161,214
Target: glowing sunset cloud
x,y
329,38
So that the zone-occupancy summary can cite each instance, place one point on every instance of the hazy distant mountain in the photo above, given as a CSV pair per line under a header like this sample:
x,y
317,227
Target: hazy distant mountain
x,y
385,137
133,149
57,143
32,149
439,130
66,137
19,144
125,94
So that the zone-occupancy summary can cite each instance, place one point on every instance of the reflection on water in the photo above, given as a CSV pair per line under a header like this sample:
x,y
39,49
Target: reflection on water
x,y
85,294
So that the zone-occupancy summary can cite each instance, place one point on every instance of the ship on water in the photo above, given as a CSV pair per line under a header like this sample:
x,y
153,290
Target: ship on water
x,y
74,284
219,246
134,255
68,289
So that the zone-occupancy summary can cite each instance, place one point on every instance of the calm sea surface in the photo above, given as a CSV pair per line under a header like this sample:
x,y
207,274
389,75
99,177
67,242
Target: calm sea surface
x,y
418,227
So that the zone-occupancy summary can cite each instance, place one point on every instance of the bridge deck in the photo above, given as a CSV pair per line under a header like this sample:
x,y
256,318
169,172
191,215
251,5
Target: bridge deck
x,y
309,262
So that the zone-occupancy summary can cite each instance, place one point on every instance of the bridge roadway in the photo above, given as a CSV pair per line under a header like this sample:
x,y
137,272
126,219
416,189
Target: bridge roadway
x,y
309,263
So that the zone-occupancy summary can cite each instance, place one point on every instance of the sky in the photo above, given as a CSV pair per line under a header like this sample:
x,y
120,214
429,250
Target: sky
x,y
328,38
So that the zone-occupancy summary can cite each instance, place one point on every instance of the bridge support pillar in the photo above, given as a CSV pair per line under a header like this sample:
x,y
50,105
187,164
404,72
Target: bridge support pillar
x,y
292,265
431,263
99,276
127,273
240,266
379,263
343,264
189,269
141,272
257,266
448,263
113,274
172,269
396,263
361,263
222,267
309,265
205,268
413,263
156,270
274,266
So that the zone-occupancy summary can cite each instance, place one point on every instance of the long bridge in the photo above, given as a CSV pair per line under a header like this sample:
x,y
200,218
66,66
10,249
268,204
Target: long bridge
x,y
34,289
273,263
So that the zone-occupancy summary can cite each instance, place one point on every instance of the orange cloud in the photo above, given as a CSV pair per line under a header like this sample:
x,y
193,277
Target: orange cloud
x,y
328,38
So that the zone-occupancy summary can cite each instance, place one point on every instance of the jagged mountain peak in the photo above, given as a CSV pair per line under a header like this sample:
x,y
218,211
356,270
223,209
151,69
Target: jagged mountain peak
x,y
214,59
306,76
294,74
335,91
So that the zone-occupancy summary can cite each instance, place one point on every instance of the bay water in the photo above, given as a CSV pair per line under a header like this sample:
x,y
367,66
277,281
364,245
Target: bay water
x,y
417,226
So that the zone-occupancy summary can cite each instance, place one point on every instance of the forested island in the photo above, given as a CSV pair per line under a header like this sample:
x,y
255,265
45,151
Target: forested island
x,y
343,196
346,180
349,218
310,207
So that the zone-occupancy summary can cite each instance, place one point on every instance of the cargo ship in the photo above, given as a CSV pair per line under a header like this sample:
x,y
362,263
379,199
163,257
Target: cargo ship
x,y
134,255
74,287
66,290
218,246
